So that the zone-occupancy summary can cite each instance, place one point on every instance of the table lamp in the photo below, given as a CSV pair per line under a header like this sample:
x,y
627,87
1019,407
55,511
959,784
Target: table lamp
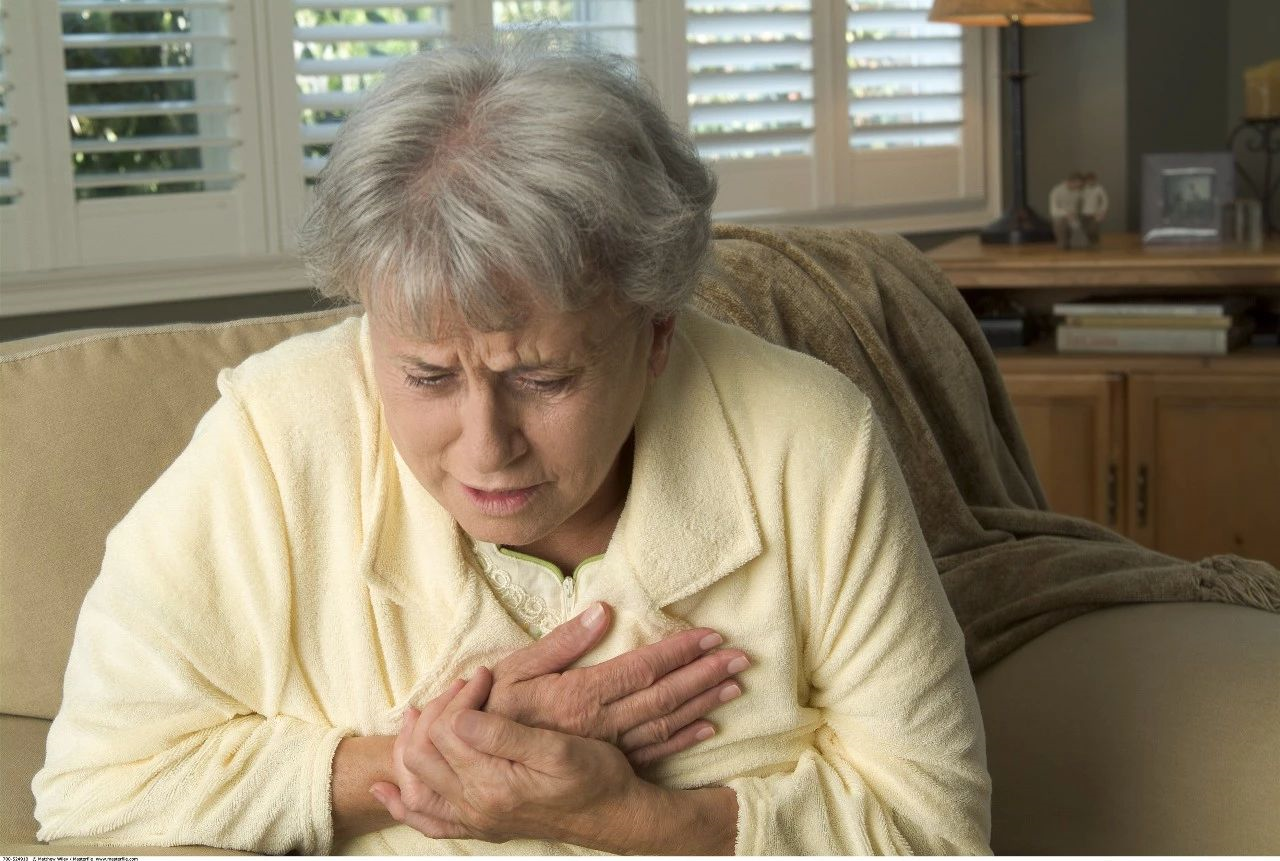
x,y
1019,223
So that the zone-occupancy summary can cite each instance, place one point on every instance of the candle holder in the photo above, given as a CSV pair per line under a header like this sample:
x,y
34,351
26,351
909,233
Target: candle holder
x,y
1259,136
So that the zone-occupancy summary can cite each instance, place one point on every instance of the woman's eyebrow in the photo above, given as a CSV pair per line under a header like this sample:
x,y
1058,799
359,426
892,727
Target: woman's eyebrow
x,y
421,364
551,365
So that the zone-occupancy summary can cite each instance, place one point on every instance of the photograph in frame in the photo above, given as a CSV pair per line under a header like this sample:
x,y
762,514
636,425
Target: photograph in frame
x,y
1183,196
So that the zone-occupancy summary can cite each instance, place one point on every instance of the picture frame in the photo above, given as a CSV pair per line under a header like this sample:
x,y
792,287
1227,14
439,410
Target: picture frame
x,y
1183,195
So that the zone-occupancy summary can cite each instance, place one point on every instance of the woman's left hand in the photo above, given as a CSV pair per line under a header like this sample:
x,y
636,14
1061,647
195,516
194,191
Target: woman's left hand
x,y
483,776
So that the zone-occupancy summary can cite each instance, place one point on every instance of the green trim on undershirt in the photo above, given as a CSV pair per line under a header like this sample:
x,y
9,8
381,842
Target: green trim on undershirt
x,y
550,566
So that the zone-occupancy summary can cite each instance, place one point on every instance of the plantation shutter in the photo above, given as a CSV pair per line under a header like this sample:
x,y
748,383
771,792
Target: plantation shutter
x,y
915,91
609,25
162,128
149,102
9,188
906,82
341,49
751,99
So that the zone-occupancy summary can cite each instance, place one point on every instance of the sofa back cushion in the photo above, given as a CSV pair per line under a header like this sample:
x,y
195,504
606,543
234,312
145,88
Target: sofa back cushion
x,y
86,425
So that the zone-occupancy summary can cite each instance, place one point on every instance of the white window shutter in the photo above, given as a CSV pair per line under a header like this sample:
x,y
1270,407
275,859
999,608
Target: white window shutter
x,y
27,239
751,99
341,49
162,131
10,191
606,24
906,81
915,128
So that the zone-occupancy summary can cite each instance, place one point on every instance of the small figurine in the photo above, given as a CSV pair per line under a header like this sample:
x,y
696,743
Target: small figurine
x,y
1064,210
1093,207
1077,206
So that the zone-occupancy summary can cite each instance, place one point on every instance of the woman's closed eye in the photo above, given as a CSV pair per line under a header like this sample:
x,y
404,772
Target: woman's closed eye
x,y
527,384
429,381
544,385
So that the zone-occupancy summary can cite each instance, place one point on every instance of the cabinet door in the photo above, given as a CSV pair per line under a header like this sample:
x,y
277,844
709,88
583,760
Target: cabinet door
x,y
1204,464
1073,424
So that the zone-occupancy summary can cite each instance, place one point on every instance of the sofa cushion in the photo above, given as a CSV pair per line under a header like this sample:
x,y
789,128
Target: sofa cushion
x,y
86,425
1135,730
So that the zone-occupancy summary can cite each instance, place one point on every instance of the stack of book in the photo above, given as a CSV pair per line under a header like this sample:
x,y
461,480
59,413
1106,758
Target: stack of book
x,y
1202,327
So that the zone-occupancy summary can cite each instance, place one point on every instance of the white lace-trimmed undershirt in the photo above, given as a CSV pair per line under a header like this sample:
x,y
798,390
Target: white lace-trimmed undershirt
x,y
533,591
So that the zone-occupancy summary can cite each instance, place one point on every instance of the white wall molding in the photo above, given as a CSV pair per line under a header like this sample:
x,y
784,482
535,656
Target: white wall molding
x,y
141,284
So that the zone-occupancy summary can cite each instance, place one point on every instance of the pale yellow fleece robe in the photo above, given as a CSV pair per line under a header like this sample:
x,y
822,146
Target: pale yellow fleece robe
x,y
287,582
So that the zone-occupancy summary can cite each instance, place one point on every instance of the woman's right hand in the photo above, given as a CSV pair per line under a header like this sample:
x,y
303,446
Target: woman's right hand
x,y
650,702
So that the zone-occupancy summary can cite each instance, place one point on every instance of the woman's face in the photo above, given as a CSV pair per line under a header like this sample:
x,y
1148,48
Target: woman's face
x,y
518,434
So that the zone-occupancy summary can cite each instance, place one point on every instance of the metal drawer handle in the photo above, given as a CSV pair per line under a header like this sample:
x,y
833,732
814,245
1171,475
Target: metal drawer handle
x,y
1142,495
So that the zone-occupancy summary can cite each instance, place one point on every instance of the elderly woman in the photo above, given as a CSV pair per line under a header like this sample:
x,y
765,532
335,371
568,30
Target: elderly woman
x,y
343,619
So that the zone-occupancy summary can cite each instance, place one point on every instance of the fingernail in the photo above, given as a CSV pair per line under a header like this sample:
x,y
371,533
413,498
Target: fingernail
x,y
705,733
732,692
710,641
738,664
594,614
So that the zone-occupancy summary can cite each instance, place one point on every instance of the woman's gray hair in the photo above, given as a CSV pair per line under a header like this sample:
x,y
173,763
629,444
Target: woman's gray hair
x,y
475,175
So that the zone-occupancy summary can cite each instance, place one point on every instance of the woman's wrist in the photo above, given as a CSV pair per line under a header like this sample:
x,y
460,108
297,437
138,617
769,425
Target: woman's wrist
x,y
358,763
652,820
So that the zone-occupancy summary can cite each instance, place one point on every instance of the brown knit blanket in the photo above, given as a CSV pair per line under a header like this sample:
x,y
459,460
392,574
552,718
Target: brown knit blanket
x,y
882,313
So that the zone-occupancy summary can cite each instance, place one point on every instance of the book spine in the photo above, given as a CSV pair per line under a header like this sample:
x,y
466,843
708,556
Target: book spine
x,y
1084,309
1082,339
1164,321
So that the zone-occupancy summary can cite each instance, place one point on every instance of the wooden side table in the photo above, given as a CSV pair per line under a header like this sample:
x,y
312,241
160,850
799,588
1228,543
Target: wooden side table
x,y
1181,453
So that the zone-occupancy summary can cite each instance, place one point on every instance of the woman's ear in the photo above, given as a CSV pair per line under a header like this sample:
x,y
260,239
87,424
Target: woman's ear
x,y
663,328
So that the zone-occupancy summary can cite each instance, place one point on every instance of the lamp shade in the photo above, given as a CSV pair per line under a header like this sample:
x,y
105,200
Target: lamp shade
x,y
999,13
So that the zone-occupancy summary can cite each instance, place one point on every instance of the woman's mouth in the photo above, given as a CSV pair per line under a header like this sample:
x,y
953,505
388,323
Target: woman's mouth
x,y
500,502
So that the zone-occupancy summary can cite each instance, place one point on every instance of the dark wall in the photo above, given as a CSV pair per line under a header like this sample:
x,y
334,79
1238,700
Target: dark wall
x,y
1076,106
1176,64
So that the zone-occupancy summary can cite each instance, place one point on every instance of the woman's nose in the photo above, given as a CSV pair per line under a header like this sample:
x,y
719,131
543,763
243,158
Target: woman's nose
x,y
491,436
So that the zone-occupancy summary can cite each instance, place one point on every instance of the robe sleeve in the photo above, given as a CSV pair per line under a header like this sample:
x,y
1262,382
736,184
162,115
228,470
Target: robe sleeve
x,y
171,730
898,765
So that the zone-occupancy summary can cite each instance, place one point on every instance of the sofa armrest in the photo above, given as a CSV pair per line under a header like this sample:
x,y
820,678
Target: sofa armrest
x,y
1138,729
22,742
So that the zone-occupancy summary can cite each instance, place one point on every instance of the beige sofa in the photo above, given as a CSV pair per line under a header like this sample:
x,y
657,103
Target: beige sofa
x,y
1138,729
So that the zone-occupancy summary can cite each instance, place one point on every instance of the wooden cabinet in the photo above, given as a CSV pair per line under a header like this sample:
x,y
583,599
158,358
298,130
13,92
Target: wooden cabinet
x,y
1204,463
1180,453
1073,424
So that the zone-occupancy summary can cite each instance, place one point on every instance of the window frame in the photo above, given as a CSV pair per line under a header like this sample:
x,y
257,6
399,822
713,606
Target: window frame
x,y
42,274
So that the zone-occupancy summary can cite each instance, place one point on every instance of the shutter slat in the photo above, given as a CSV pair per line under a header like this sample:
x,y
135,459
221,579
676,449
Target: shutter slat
x,y
346,66
5,118
76,41
337,5
150,109
152,143
570,26
126,6
6,153
314,134
368,32
312,165
153,177
144,74
331,101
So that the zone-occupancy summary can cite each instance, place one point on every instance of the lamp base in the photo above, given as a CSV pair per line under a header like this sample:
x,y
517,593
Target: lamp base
x,y
1017,227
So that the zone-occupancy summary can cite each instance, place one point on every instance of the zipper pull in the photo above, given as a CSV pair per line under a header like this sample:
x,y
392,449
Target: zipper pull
x,y
567,583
